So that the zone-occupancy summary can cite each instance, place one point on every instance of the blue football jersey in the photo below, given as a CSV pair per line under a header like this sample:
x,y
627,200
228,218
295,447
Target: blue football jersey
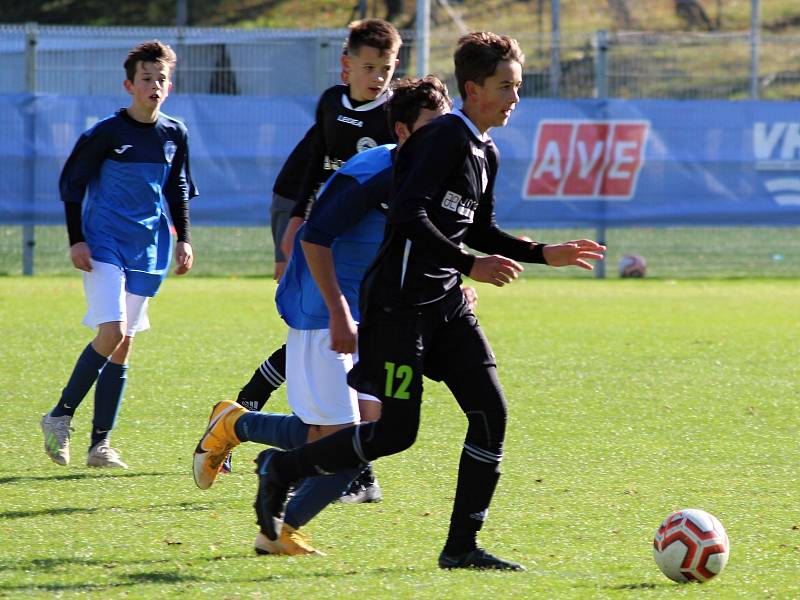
x,y
349,216
127,171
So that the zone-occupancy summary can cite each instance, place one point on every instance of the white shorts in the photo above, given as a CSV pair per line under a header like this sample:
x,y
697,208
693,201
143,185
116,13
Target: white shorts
x,y
108,302
316,379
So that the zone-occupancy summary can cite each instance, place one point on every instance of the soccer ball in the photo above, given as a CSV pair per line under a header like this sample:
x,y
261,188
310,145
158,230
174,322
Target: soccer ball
x,y
632,265
691,545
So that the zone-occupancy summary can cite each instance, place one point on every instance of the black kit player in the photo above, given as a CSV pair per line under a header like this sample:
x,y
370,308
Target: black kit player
x,y
349,119
415,321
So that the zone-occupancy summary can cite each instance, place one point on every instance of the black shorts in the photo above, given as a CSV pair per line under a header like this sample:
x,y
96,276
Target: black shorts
x,y
396,348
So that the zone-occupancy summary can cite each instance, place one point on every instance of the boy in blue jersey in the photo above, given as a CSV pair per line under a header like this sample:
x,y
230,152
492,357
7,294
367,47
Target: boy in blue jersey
x,y
318,298
414,321
133,168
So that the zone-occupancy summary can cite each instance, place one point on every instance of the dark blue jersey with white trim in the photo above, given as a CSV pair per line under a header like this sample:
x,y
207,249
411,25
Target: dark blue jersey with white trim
x,y
129,172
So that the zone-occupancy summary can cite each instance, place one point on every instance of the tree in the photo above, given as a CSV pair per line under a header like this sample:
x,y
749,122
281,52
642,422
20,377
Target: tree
x,y
692,12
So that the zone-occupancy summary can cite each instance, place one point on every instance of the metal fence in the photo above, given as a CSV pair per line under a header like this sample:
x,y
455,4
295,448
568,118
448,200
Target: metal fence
x,y
264,62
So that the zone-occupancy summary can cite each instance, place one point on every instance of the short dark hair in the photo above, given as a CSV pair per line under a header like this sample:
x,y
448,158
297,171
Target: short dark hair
x,y
410,96
478,55
153,51
375,33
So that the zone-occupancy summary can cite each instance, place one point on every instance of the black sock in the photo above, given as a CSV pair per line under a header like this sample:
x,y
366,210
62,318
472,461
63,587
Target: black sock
x,y
330,454
265,380
477,481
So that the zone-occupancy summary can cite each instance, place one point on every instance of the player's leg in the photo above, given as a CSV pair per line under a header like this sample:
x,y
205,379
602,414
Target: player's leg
x,y
398,344
462,357
317,393
267,378
104,288
365,488
110,389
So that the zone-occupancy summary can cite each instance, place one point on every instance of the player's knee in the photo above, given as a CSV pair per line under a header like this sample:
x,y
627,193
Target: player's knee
x,y
397,428
109,337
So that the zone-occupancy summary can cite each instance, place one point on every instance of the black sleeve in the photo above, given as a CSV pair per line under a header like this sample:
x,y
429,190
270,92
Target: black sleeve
x,y
179,211
72,210
315,172
425,162
180,189
83,164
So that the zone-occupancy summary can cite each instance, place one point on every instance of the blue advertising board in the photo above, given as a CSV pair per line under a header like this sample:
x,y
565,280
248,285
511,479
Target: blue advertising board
x,y
564,163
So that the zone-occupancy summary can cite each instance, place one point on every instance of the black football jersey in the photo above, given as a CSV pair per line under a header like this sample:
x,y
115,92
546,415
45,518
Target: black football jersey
x,y
442,197
340,131
290,178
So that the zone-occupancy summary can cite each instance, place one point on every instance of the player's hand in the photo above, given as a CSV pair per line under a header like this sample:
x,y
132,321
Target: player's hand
x,y
575,252
184,258
280,267
471,296
344,332
81,256
287,243
497,270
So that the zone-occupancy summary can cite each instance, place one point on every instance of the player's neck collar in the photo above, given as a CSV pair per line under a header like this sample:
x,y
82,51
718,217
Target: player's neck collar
x,y
369,105
483,137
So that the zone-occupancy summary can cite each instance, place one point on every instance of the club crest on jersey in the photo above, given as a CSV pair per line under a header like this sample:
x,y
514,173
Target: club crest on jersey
x,y
170,148
365,143
462,206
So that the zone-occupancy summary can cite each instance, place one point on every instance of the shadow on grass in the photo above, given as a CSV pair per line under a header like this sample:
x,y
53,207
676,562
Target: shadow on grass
x,y
171,577
79,476
71,510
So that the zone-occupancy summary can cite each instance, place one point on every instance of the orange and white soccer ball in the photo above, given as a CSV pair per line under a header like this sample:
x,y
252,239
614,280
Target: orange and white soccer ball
x,y
632,265
691,545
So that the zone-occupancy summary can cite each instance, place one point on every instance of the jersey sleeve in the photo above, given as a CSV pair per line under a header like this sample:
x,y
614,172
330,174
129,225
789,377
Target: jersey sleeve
x,y
315,172
83,164
425,161
180,189
341,206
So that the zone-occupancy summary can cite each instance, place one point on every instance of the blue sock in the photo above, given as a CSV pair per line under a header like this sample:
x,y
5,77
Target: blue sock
x,y
281,431
315,493
85,373
107,399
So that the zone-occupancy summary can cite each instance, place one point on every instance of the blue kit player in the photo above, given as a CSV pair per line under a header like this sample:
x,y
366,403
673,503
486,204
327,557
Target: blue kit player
x,y
318,299
414,320
133,170
349,119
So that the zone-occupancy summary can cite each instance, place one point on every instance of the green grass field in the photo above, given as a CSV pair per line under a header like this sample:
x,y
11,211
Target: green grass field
x,y
628,399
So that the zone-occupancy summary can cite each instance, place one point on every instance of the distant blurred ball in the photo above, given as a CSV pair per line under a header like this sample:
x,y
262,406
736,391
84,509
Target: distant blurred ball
x,y
632,265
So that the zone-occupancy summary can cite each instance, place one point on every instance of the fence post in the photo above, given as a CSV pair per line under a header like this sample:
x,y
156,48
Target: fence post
x,y
28,231
422,38
601,91
755,42
555,48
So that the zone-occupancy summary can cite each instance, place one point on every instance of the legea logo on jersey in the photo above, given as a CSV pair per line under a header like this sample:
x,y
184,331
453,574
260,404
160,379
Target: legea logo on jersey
x,y
776,147
582,159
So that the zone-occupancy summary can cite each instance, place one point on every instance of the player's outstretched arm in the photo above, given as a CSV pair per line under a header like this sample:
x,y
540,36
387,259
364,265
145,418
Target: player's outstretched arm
x,y
497,270
575,252
81,256
184,258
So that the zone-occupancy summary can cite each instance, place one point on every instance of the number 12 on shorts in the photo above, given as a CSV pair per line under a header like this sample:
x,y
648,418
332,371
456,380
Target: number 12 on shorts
x,y
398,380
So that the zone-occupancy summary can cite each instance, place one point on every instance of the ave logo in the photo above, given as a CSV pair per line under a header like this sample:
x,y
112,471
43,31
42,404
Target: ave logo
x,y
582,159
